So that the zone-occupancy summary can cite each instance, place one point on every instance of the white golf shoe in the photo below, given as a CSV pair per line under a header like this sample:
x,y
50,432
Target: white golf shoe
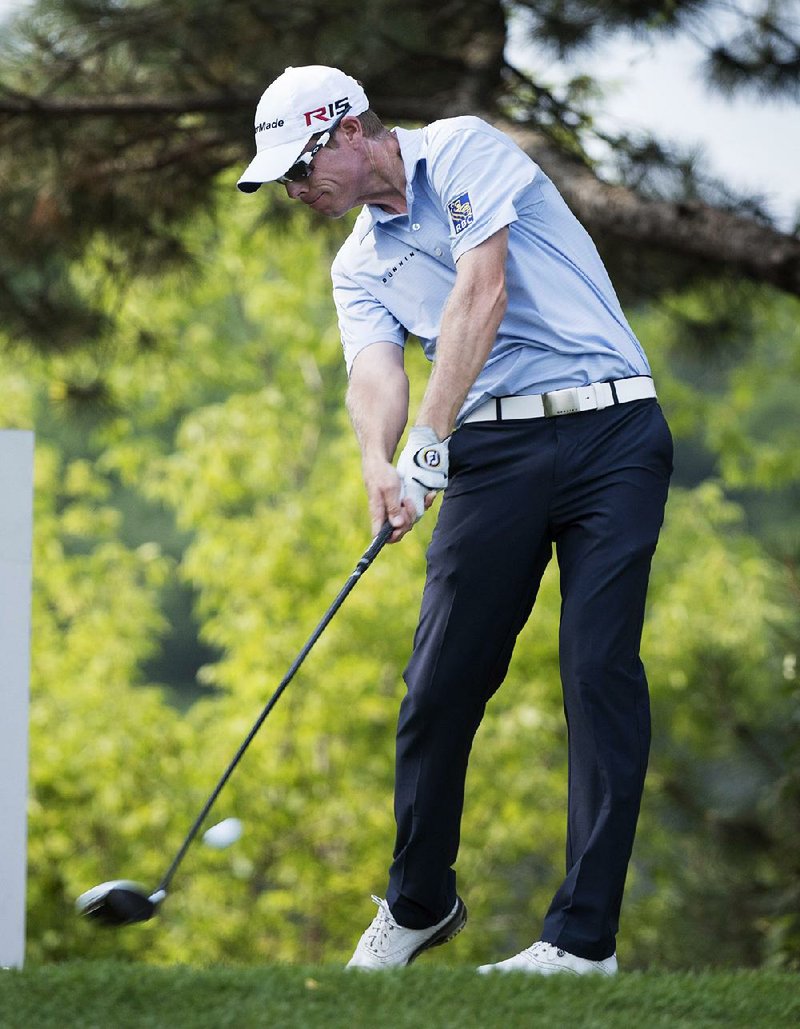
x,y
385,944
545,959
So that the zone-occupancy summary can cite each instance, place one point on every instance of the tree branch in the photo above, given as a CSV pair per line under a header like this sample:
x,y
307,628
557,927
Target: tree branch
x,y
94,106
721,239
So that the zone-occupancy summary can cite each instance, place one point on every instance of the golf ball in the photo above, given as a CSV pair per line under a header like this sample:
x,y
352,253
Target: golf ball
x,y
223,834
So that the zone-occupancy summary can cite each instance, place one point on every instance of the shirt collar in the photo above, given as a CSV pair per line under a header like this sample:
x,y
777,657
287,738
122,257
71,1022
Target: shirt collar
x,y
411,150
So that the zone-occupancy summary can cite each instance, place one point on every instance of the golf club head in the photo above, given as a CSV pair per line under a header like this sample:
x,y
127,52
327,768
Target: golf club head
x,y
119,902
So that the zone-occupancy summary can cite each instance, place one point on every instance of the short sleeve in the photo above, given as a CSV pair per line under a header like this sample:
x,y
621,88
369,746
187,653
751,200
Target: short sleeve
x,y
363,320
479,175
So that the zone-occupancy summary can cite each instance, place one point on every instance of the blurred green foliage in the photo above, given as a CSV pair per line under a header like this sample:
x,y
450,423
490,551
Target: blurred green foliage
x,y
200,494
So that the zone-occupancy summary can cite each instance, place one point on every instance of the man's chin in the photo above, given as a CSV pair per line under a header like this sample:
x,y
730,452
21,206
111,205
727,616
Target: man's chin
x,y
325,206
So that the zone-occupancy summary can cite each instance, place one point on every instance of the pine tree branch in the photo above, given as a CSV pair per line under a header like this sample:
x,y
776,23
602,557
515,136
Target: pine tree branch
x,y
722,240
94,106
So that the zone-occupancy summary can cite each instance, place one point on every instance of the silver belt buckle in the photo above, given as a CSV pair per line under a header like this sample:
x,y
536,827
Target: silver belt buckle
x,y
561,401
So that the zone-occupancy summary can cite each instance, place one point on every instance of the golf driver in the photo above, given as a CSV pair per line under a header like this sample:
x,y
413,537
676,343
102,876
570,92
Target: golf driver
x,y
122,902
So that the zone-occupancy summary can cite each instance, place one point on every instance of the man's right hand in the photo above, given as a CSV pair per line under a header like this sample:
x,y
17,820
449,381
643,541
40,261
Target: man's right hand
x,y
383,494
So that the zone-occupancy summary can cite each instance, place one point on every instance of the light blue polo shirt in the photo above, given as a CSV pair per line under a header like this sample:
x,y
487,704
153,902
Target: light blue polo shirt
x,y
563,325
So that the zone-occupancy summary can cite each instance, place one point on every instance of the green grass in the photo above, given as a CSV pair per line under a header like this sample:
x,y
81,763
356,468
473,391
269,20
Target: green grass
x,y
113,995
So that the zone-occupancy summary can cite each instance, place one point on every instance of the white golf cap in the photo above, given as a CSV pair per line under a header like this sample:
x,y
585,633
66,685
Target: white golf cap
x,y
299,104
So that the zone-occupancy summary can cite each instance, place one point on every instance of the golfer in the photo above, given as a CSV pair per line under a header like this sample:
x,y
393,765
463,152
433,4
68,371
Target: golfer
x,y
540,424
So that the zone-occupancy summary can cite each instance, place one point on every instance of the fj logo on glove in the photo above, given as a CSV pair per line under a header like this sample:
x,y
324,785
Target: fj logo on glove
x,y
430,458
422,467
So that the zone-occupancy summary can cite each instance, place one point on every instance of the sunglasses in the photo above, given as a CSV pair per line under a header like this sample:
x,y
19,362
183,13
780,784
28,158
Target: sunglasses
x,y
302,167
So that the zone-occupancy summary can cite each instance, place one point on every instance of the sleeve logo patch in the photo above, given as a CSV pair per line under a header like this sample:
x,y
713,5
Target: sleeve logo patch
x,y
460,211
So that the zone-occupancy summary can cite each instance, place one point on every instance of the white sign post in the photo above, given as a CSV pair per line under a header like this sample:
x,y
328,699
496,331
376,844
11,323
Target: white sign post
x,y
16,536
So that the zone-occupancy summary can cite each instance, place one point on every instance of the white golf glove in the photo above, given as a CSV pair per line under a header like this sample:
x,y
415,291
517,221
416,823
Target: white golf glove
x,y
422,466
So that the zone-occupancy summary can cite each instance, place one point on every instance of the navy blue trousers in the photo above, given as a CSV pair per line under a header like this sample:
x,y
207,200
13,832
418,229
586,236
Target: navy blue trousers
x,y
593,485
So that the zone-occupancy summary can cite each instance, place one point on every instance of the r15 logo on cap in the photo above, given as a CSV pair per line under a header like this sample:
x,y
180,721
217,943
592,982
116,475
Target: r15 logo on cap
x,y
327,113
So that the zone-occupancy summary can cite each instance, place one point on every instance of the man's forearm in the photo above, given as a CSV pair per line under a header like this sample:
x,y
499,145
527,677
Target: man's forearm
x,y
377,402
471,318
463,347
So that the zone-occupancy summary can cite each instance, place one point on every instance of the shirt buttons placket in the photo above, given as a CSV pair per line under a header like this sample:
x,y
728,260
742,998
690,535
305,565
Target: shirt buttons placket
x,y
425,241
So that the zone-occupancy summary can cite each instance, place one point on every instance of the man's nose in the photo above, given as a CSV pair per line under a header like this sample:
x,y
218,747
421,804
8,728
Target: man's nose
x,y
297,189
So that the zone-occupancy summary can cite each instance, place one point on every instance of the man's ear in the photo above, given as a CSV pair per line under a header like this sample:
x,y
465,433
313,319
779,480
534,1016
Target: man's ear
x,y
350,127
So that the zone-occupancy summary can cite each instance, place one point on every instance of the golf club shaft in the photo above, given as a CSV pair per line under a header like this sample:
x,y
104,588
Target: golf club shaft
x,y
366,560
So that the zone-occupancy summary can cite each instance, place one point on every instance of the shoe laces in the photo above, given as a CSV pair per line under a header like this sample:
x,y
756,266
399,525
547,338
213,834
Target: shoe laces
x,y
377,936
545,949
